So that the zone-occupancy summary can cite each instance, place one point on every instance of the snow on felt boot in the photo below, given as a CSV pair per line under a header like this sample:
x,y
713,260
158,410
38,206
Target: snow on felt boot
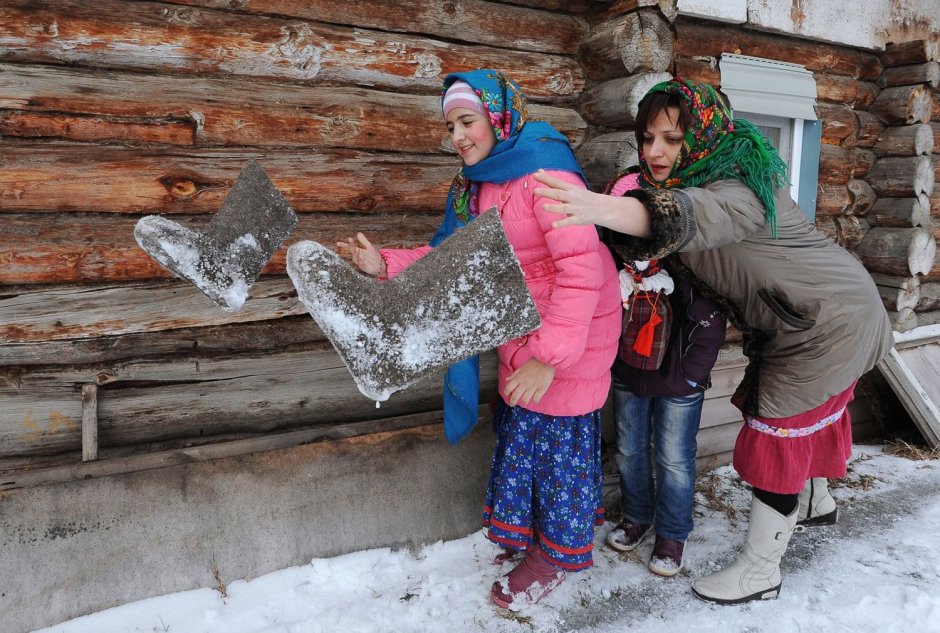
x,y
817,507
528,582
755,575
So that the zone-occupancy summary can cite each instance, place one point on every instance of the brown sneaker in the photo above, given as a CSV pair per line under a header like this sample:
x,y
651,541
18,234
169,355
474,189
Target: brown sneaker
x,y
628,535
667,556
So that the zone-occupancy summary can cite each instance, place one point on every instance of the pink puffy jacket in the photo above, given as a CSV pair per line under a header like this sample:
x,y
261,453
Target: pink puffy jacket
x,y
573,280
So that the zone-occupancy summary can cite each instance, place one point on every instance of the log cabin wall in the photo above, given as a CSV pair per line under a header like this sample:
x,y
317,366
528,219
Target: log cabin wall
x,y
129,108
117,109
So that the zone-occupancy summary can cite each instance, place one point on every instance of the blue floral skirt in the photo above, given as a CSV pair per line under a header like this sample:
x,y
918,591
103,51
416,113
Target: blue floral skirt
x,y
546,484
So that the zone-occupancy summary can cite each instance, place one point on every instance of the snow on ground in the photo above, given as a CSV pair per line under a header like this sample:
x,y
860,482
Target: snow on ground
x,y
877,570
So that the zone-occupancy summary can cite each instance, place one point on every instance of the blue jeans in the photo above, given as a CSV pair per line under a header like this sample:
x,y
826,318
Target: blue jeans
x,y
667,427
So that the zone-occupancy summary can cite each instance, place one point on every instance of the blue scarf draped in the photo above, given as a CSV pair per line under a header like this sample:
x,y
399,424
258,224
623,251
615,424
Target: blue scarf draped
x,y
521,148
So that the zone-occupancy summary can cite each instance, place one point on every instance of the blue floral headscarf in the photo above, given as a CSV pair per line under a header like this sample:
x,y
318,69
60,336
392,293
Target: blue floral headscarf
x,y
522,147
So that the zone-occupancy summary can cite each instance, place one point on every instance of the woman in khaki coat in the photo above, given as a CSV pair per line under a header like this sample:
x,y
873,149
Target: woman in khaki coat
x,y
714,192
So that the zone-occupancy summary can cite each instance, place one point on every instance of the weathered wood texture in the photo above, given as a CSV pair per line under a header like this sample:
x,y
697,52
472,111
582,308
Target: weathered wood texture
x,y
906,140
903,105
912,52
148,36
697,38
846,230
39,248
902,177
633,43
468,21
903,212
863,196
607,154
85,105
835,165
614,103
845,90
927,73
869,129
151,401
898,293
839,124
124,179
899,252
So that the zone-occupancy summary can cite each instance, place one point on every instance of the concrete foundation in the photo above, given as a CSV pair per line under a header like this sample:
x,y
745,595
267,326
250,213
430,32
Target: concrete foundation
x,y
75,548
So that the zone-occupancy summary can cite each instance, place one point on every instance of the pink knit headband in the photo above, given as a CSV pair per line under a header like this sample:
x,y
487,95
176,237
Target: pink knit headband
x,y
461,95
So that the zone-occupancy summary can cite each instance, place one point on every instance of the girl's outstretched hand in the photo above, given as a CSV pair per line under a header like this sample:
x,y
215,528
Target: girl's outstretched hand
x,y
577,203
365,256
529,383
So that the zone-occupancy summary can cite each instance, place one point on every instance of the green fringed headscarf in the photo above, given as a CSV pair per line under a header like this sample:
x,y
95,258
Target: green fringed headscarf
x,y
717,147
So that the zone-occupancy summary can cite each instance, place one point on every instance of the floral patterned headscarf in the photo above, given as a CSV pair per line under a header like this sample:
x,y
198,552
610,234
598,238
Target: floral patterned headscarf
x,y
522,146
717,147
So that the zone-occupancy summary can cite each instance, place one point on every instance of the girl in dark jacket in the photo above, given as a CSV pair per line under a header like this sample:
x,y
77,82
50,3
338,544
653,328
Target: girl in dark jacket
x,y
662,408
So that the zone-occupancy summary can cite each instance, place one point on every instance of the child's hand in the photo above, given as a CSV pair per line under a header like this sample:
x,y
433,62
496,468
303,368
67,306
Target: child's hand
x,y
365,256
529,383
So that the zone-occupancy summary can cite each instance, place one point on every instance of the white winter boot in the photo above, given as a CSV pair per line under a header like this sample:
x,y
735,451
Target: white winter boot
x,y
817,507
755,575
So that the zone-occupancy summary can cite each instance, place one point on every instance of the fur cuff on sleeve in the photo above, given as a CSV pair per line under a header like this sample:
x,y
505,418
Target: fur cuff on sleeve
x,y
671,223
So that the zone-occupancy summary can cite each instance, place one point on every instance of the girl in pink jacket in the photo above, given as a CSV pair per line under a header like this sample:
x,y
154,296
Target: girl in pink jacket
x,y
544,496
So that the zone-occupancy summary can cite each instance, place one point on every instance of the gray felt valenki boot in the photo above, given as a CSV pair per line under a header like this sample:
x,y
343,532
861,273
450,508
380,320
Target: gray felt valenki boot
x,y
817,507
755,575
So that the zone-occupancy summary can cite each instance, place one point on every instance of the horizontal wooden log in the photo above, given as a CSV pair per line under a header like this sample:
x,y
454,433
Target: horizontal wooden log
x,y
910,52
897,251
614,103
91,128
869,129
902,212
702,69
897,177
862,161
44,249
473,21
862,195
30,471
835,165
696,38
66,177
633,43
927,73
838,124
906,140
832,199
154,401
903,105
935,129
845,90
294,333
227,112
149,36
88,312
897,293
847,231
929,300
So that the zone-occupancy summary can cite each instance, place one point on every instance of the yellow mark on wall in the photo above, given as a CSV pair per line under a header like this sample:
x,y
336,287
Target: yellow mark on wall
x,y
58,421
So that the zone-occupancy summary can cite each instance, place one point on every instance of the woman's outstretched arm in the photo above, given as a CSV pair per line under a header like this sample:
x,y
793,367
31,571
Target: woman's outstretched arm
x,y
580,206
